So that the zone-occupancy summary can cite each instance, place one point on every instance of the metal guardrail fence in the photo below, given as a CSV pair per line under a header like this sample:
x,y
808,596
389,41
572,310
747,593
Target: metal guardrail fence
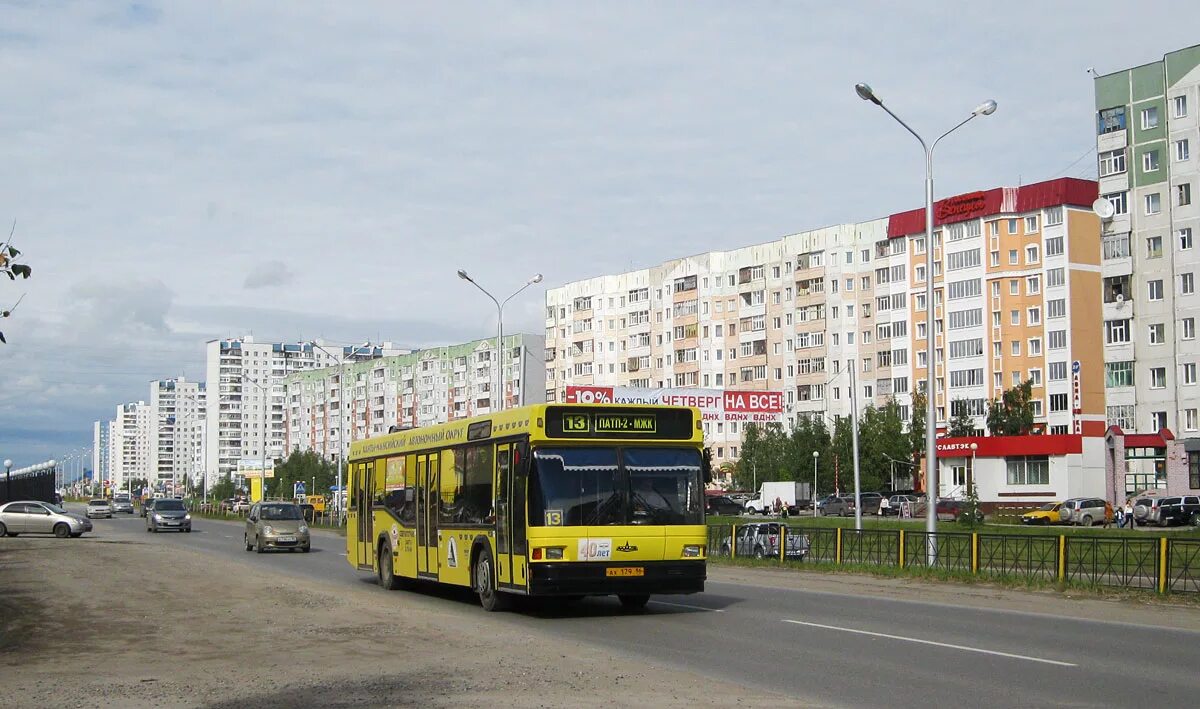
x,y
1161,564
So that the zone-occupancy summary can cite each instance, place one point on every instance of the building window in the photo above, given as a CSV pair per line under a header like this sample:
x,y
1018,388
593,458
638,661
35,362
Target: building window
x,y
1035,347
1013,257
1119,201
1054,246
1033,316
1187,284
1154,247
1120,416
1158,420
1016,348
1110,120
1189,373
1031,254
1158,377
1112,163
1155,289
1183,194
1153,203
1058,402
1118,374
1149,117
1181,150
1031,224
1189,419
1194,470
1116,332
1188,329
1150,161
1058,338
1028,470
1180,104
1157,334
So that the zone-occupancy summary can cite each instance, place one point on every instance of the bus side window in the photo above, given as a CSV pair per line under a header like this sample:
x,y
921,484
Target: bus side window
x,y
351,484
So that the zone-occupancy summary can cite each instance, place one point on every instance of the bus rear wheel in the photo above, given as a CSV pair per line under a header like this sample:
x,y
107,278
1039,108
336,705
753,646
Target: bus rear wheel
x,y
634,601
484,580
387,573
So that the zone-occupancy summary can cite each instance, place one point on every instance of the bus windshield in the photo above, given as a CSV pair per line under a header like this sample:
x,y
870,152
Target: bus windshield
x,y
577,487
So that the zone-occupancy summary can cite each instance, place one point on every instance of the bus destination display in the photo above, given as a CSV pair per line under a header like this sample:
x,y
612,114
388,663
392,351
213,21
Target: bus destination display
x,y
571,422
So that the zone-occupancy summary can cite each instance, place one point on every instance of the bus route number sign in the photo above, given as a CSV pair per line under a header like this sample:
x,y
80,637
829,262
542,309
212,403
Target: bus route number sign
x,y
577,423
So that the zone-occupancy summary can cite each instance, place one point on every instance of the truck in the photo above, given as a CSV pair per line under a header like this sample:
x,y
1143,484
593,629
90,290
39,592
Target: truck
x,y
792,495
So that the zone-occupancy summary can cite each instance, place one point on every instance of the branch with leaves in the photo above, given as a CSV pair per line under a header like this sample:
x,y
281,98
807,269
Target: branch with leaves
x,y
12,269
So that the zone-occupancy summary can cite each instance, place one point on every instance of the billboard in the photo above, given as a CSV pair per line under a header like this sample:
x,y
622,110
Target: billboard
x,y
714,404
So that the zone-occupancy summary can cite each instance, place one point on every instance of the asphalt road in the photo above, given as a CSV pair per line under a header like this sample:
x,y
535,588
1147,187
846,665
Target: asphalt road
x,y
831,648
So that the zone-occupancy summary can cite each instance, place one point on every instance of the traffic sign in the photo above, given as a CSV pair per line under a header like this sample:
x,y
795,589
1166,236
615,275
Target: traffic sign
x,y
297,489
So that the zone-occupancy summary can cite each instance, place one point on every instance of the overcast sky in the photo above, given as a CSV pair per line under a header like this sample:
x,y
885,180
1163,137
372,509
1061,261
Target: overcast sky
x,y
189,170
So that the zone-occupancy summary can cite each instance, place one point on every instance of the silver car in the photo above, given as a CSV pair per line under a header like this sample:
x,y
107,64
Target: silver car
x,y
276,525
98,508
168,513
32,517
122,503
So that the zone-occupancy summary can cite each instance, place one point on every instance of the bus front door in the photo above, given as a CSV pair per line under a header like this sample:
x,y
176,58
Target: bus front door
x,y
518,476
364,492
427,515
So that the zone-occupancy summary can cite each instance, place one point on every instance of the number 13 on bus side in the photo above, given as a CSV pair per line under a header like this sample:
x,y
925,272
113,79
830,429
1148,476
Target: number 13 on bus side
x,y
577,423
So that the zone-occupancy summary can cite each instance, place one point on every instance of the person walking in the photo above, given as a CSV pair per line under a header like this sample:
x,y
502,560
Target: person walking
x,y
1129,515
884,506
1120,516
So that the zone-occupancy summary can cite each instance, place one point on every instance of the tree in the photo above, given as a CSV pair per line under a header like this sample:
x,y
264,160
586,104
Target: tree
x,y
916,427
304,466
12,269
962,424
223,489
971,514
1012,414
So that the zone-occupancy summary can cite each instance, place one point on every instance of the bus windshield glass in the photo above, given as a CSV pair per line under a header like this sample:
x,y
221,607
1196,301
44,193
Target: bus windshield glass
x,y
576,487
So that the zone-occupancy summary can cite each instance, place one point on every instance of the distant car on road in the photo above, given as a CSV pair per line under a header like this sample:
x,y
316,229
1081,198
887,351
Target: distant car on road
x,y
98,508
1046,514
33,517
276,525
168,513
916,505
841,505
949,510
122,503
761,540
722,505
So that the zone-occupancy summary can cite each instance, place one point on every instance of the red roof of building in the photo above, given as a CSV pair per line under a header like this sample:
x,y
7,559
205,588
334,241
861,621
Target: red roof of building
x,y
1001,200
1144,440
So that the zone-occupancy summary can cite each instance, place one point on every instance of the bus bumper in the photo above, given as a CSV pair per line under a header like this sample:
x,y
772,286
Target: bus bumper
x,y
592,578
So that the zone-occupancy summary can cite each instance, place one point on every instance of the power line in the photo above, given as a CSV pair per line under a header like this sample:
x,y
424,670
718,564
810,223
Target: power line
x,y
1074,162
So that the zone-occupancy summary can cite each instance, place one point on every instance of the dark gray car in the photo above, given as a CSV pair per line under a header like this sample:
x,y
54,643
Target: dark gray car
x,y
168,513
843,506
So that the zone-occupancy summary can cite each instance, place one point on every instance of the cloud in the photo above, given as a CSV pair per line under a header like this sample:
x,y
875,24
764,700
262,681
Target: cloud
x,y
269,274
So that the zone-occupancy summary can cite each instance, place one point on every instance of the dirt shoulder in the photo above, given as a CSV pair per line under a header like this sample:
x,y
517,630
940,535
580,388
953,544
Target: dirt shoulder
x,y
135,624
1138,608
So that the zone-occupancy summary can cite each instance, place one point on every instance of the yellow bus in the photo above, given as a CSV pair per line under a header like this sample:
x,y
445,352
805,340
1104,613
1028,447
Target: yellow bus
x,y
546,500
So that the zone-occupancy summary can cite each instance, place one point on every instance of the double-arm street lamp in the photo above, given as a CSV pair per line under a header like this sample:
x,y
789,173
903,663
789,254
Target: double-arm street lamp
x,y
265,389
986,108
497,398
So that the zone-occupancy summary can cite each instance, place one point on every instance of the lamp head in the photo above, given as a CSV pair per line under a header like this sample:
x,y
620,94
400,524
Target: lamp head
x,y
816,454
52,462
986,108
974,447
866,94
537,278
463,275
7,463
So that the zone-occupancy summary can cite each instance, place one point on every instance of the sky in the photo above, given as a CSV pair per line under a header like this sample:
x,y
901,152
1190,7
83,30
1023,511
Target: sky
x,y
183,171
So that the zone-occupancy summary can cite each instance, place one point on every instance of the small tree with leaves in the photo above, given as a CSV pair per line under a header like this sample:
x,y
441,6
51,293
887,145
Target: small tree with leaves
x,y
961,424
971,514
1012,413
12,269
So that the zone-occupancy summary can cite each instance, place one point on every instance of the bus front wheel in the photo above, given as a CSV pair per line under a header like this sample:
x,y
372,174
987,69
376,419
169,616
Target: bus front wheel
x,y
387,573
485,584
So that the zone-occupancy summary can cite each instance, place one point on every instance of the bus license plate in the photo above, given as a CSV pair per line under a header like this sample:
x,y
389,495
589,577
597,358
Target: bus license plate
x,y
625,571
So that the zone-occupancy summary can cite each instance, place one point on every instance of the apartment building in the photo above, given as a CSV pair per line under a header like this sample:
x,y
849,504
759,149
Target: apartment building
x,y
178,411
1146,132
100,451
1017,283
245,394
420,388
130,456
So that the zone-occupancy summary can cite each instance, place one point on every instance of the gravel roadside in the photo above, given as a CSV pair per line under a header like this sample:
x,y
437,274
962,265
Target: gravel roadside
x,y
94,622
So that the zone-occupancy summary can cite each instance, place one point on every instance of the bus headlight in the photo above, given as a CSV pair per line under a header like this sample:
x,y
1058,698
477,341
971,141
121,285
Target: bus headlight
x,y
554,552
692,551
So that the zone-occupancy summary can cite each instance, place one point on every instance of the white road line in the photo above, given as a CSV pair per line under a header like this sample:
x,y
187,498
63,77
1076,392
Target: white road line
x,y
684,605
931,642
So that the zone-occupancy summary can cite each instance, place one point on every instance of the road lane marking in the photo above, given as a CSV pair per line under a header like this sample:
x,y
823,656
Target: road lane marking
x,y
684,605
934,643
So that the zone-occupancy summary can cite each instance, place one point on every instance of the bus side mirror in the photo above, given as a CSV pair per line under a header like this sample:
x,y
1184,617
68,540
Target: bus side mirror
x,y
707,466
520,454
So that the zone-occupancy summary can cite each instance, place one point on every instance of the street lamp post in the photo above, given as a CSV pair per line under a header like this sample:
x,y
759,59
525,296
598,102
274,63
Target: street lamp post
x,y
262,471
343,446
816,455
986,108
971,476
7,480
497,399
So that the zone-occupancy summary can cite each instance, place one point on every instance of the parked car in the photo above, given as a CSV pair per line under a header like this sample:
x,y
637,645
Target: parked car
x,y
33,517
1085,511
227,505
98,508
1146,510
916,505
276,525
122,503
842,505
948,510
761,540
168,513
870,502
722,505
1179,510
1046,514
240,505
